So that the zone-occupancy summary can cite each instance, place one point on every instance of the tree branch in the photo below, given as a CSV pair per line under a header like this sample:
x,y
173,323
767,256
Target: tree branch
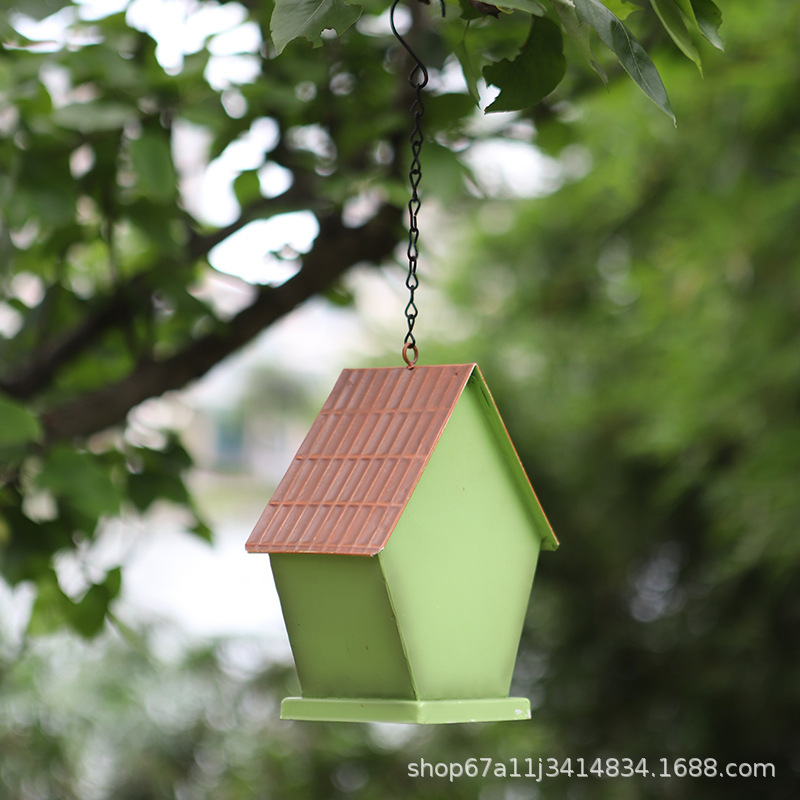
x,y
300,196
43,365
336,249
117,309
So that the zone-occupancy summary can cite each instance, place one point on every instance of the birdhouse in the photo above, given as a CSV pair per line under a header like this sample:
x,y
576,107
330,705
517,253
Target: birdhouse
x,y
403,541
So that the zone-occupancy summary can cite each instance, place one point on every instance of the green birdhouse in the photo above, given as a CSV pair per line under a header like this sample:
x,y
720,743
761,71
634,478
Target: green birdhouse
x,y
403,541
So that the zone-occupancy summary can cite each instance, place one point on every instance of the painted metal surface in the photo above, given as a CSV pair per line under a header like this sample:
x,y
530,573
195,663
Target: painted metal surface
x,y
360,463
341,626
426,628
461,562
422,712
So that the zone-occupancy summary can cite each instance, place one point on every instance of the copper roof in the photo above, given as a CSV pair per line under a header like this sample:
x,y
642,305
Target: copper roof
x,y
360,462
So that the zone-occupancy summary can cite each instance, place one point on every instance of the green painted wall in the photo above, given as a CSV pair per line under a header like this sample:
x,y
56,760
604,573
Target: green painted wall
x,y
341,626
460,563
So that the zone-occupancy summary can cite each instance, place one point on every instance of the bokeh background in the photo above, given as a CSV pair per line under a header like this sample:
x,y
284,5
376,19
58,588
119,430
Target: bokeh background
x,y
630,289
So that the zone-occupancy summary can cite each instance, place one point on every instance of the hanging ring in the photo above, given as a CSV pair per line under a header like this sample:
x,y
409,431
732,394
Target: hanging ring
x,y
419,66
410,362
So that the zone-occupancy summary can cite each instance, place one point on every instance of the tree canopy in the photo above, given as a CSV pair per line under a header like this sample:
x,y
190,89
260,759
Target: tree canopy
x,y
106,253
637,326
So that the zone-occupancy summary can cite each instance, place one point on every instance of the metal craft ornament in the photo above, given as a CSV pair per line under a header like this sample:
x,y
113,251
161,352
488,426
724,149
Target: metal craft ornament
x,y
404,539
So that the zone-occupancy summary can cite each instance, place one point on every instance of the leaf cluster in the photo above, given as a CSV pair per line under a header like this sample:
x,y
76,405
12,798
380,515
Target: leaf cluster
x,y
110,293
107,292
638,335
538,64
638,328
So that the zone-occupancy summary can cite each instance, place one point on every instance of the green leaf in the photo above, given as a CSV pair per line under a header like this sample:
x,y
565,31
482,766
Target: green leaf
x,y
529,6
45,189
113,582
445,171
88,615
579,32
247,187
632,56
202,531
621,8
79,481
450,112
468,11
152,161
144,489
51,609
686,8
158,474
17,425
709,19
672,19
467,67
534,73
292,19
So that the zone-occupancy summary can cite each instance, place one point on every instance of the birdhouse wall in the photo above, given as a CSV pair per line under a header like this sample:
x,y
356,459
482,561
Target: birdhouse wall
x,y
341,626
461,561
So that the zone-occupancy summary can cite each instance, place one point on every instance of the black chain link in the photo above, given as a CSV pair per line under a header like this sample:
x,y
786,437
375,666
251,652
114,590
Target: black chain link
x,y
414,178
418,79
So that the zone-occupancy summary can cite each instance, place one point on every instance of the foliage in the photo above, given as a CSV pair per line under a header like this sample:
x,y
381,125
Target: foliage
x,y
641,331
108,291
84,722
109,294
539,64
638,329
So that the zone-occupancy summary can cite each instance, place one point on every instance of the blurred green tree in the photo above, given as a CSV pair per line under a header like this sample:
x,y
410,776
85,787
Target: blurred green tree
x,y
105,252
638,327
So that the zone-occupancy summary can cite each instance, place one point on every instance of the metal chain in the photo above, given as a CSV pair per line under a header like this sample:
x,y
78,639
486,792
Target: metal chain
x,y
414,178
418,79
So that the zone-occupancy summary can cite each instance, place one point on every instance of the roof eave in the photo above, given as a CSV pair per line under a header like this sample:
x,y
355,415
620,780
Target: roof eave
x,y
538,517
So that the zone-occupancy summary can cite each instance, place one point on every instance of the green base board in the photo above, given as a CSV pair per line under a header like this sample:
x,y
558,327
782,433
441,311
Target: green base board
x,y
423,712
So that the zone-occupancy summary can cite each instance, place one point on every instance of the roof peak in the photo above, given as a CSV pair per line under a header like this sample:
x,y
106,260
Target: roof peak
x,y
360,462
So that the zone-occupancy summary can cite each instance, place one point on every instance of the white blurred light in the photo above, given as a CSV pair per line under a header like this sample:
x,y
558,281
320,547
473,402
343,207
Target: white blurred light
x,y
505,168
249,253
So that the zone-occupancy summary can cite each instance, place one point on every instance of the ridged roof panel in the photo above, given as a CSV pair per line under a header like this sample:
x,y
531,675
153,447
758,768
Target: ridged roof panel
x,y
355,471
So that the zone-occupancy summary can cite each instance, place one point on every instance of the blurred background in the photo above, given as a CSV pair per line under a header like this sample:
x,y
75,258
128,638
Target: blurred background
x,y
630,289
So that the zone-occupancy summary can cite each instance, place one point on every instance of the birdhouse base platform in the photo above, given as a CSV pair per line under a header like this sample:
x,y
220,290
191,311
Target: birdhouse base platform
x,y
422,712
